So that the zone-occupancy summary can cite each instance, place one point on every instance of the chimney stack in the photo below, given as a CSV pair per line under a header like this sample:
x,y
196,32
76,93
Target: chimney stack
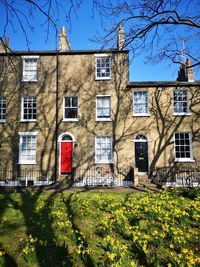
x,y
121,38
186,73
64,44
190,71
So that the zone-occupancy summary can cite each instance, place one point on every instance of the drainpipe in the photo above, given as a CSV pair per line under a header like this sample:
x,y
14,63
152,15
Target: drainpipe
x,y
57,98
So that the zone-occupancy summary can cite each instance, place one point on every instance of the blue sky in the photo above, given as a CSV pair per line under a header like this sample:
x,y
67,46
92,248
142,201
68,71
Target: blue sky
x,y
83,27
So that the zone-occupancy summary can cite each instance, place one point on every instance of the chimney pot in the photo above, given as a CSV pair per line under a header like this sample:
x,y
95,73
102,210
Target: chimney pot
x,y
7,41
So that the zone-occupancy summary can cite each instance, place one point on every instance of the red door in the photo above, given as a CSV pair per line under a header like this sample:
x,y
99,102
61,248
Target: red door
x,y
66,157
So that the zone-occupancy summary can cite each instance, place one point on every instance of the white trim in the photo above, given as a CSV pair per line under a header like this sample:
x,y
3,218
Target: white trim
x,y
27,162
66,133
28,133
2,121
108,118
24,79
181,113
109,161
110,63
29,57
63,108
103,55
22,109
141,114
72,120
191,159
184,160
64,141
31,120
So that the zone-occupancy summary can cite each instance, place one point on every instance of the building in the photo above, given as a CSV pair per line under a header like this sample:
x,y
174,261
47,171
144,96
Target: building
x,y
74,116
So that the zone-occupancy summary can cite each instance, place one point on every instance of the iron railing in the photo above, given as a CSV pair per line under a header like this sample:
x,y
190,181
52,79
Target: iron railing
x,y
178,176
103,176
26,177
79,177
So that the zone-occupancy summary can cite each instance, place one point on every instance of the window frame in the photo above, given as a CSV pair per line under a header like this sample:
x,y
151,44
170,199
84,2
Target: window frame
x,y
20,159
24,70
186,159
64,107
110,109
187,102
100,57
143,114
3,110
22,109
104,161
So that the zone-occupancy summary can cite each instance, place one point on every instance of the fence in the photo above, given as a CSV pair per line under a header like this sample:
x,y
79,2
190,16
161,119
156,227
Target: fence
x,y
80,177
101,176
177,176
26,177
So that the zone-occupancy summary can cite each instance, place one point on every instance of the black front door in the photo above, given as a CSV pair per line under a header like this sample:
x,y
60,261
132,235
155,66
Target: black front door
x,y
141,156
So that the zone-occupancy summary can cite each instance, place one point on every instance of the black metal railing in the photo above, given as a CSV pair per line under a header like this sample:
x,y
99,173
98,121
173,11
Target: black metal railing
x,y
26,177
103,176
178,176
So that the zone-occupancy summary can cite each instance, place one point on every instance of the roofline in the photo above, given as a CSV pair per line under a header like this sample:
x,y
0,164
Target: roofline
x,y
161,84
54,52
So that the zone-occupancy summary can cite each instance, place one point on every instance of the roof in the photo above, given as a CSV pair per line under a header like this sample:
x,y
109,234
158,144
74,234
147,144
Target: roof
x,y
161,84
55,52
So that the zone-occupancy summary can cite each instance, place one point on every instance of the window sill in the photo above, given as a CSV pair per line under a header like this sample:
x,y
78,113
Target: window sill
x,y
28,120
27,81
141,115
109,119
103,78
103,162
27,163
182,114
2,121
184,160
72,120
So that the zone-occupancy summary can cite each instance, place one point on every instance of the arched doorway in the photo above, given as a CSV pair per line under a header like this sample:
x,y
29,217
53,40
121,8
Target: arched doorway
x,y
141,153
66,141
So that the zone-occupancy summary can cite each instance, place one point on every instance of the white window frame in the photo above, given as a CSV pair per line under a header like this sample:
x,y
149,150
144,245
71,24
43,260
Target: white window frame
x,y
22,109
24,73
190,159
3,110
187,101
106,161
27,134
110,110
144,114
69,119
103,56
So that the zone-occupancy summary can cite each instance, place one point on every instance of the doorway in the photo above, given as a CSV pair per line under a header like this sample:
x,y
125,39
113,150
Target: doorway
x,y
141,153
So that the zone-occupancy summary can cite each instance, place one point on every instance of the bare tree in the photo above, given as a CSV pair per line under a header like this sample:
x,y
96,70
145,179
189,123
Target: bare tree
x,y
166,29
19,15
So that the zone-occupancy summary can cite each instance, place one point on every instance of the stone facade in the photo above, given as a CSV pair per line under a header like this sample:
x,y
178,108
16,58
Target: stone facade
x,y
150,113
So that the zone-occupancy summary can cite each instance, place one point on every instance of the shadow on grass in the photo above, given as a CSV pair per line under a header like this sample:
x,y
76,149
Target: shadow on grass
x,y
79,238
39,226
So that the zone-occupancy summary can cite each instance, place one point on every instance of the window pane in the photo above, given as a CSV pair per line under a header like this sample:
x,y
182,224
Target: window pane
x,y
30,69
2,108
104,107
28,149
140,102
180,101
103,67
182,145
29,108
71,107
103,151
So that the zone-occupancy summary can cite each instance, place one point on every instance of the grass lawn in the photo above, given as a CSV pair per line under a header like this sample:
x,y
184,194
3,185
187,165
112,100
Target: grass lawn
x,y
100,229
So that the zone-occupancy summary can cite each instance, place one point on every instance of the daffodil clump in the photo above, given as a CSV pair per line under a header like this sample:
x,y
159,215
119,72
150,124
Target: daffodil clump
x,y
99,229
